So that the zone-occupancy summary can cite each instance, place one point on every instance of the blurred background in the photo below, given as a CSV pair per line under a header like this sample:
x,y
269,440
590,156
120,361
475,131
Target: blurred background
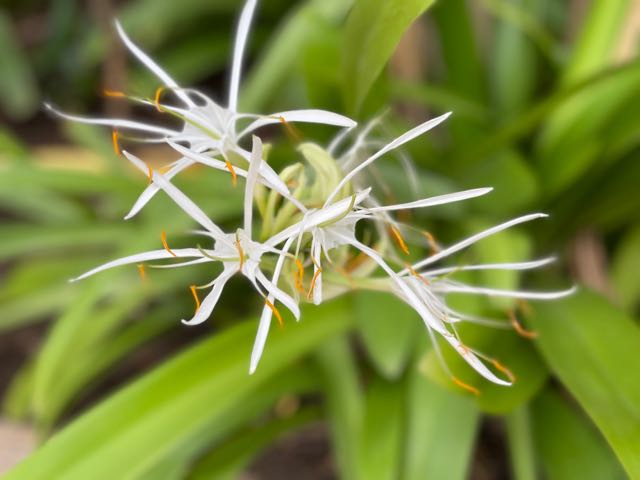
x,y
545,95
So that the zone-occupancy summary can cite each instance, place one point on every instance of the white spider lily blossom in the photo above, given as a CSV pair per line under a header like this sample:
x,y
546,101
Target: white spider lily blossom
x,y
208,127
333,226
236,252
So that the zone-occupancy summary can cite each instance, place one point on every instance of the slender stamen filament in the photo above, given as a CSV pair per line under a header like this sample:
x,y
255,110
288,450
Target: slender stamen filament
x,y
142,272
520,330
431,241
116,144
163,237
313,282
465,386
417,275
194,292
275,312
505,370
399,240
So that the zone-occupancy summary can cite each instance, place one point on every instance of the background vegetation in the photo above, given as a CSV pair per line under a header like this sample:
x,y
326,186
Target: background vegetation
x,y
545,95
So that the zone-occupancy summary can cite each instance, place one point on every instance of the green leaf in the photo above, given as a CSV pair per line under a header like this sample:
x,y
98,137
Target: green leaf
x,y
18,89
382,431
144,423
387,327
568,445
625,268
520,441
373,29
442,427
590,345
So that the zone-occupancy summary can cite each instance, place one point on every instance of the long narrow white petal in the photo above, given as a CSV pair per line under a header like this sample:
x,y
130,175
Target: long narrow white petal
x,y
142,257
189,207
401,140
267,314
495,292
323,117
316,253
278,294
238,52
439,200
491,266
472,239
149,192
112,122
252,177
210,301
153,66
474,361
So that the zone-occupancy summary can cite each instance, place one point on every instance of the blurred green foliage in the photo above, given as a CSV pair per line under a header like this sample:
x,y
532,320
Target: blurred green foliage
x,y
545,100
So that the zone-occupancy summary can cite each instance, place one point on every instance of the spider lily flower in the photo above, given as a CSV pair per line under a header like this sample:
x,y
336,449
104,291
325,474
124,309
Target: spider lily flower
x,y
236,252
428,288
333,226
208,127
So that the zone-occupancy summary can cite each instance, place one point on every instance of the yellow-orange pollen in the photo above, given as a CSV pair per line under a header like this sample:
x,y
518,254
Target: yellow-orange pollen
x,y
113,93
142,272
299,276
275,311
520,330
194,292
116,144
399,240
150,174
313,282
156,99
234,176
466,386
505,370
163,237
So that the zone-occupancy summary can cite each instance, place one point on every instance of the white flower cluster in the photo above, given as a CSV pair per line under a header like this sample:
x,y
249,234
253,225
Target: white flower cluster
x,y
308,221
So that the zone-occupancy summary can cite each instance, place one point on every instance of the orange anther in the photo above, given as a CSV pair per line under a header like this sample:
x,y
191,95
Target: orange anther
x,y
142,272
116,144
163,237
399,240
313,282
466,386
113,94
195,296
299,276
156,99
505,370
275,311
520,330
234,177
150,173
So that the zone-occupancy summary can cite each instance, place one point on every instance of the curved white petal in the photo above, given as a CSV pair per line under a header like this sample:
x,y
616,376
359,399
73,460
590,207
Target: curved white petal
x,y
323,117
153,66
112,122
401,140
252,177
238,52
278,294
472,239
491,266
439,200
495,292
210,301
142,257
